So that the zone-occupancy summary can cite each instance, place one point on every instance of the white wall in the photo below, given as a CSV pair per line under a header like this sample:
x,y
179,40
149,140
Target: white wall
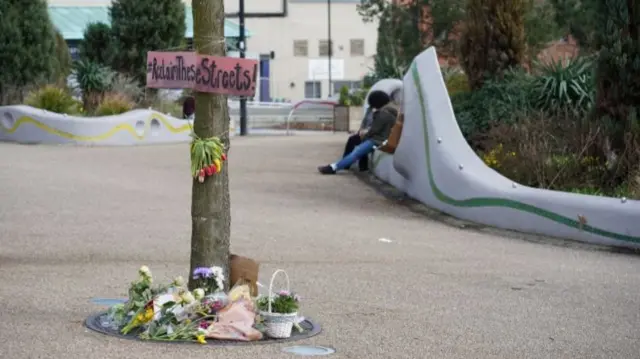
x,y
308,21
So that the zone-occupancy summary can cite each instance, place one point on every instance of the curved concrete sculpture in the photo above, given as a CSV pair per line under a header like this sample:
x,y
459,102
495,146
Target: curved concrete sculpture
x,y
25,124
434,164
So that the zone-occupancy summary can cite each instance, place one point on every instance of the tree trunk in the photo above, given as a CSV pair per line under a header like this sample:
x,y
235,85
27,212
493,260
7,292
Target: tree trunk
x,y
210,205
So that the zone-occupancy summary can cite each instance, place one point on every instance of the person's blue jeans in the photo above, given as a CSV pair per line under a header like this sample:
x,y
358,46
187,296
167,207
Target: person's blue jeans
x,y
359,152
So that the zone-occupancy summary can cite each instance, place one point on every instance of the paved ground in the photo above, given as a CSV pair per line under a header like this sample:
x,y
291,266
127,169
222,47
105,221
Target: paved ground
x,y
76,223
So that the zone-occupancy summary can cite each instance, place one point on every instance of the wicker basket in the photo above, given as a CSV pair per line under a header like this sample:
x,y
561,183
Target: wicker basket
x,y
278,325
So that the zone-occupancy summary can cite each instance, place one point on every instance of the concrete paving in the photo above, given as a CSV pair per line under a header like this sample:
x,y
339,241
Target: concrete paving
x,y
76,223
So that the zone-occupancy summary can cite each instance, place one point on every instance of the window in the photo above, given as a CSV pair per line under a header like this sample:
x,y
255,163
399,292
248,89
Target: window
x,y
357,47
323,48
300,48
312,89
351,85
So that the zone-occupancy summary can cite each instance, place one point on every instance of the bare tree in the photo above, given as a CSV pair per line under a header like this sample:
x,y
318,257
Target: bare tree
x,y
210,205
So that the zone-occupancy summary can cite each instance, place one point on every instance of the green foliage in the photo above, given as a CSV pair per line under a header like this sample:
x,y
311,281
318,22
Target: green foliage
x,y
54,99
392,59
351,98
443,16
403,31
93,80
577,18
617,103
93,77
504,100
565,84
455,80
344,99
540,26
127,86
283,303
357,97
27,40
63,60
493,39
140,26
97,45
114,104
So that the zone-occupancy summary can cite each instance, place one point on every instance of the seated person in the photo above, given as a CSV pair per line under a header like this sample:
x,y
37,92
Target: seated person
x,y
384,117
356,139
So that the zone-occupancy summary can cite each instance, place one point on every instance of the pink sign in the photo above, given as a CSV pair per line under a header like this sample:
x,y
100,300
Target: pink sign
x,y
222,75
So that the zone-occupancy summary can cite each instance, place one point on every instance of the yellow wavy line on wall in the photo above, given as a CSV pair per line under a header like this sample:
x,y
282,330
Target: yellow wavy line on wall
x,y
120,127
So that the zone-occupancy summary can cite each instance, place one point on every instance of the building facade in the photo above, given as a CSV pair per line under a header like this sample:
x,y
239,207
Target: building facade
x,y
290,39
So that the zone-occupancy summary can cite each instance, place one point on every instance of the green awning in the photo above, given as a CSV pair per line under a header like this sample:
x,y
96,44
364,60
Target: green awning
x,y
71,21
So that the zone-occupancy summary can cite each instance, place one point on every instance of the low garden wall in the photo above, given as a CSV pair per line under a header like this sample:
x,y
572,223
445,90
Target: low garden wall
x,y
25,124
434,164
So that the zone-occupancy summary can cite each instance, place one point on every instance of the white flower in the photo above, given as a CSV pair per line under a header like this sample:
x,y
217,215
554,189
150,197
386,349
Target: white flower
x,y
217,271
198,293
187,297
144,271
178,281
219,284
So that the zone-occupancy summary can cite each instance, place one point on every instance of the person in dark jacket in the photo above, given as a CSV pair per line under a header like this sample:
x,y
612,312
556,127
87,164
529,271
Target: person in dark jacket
x,y
384,117
189,108
356,139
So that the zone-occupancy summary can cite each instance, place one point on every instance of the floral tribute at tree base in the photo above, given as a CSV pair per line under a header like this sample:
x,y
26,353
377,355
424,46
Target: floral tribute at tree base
x,y
173,313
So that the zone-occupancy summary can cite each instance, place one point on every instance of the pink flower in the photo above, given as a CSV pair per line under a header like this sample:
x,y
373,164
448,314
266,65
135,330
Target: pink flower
x,y
284,293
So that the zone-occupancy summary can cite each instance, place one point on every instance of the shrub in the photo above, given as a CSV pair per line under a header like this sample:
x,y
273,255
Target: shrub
x,y
500,101
455,80
27,40
493,38
114,104
127,86
54,99
617,104
63,60
93,80
345,97
564,84
357,97
97,44
546,151
139,26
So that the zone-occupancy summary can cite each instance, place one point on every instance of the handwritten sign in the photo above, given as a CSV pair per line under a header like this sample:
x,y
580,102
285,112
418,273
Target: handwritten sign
x,y
222,75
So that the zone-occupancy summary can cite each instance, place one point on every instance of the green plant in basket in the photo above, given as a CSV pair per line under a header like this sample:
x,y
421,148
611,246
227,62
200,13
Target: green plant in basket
x,y
283,302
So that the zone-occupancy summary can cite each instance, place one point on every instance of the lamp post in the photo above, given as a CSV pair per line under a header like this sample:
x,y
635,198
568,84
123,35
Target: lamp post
x,y
330,45
242,47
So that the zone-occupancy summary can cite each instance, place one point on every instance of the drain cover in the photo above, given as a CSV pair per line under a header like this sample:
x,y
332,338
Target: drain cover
x,y
107,301
308,350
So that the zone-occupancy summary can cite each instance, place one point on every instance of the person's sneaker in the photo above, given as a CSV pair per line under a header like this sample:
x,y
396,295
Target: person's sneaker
x,y
326,170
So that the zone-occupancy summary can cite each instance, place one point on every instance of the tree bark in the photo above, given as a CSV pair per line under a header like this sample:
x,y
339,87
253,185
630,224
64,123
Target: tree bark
x,y
210,204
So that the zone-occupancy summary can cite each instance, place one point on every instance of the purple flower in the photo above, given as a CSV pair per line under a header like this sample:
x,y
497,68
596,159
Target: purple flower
x,y
202,272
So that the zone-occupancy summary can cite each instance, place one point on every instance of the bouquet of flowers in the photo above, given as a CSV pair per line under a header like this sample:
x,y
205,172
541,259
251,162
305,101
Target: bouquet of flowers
x,y
210,279
172,312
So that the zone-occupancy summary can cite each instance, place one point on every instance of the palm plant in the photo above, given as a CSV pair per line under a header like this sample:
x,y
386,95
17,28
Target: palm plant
x,y
93,80
564,84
